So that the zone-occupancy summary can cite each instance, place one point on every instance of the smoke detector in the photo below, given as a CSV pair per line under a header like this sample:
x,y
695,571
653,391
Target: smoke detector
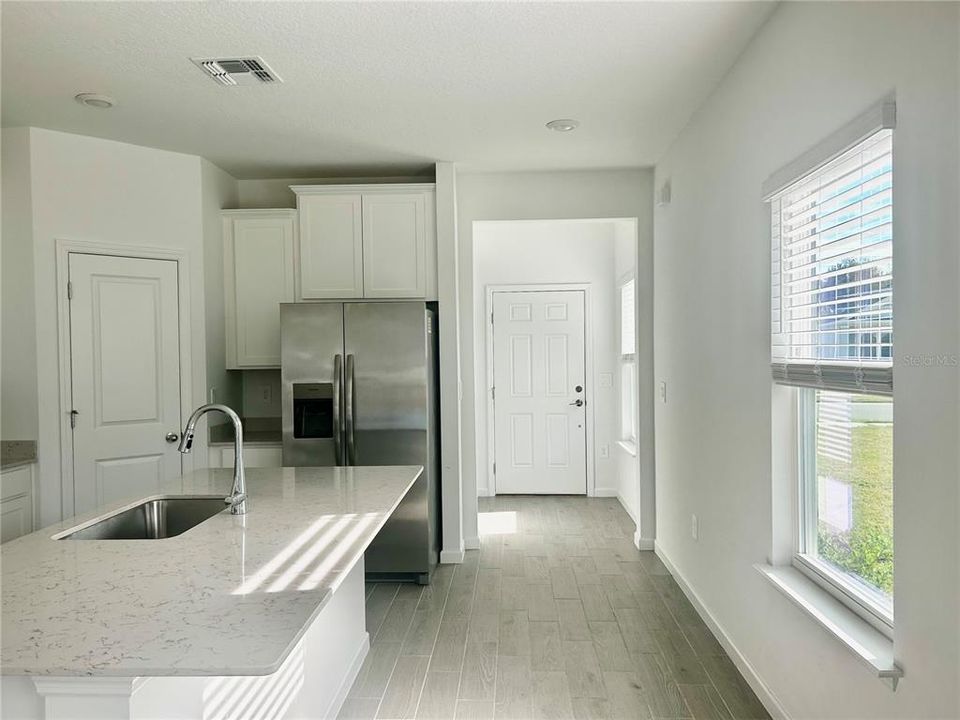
x,y
251,70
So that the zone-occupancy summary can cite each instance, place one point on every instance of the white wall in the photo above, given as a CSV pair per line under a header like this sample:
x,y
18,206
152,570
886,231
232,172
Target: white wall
x,y
545,252
276,192
539,196
18,350
219,191
103,191
811,69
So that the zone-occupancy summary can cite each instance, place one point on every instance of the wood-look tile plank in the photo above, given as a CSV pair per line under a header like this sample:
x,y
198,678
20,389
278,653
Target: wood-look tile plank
x,y
438,700
487,594
591,708
479,675
375,672
434,595
595,604
680,658
551,696
513,593
378,604
514,633
705,702
637,577
403,691
422,633
474,710
512,563
626,697
573,623
359,709
564,583
484,627
659,687
618,591
541,605
583,669
637,634
397,622
606,562
736,693
513,698
702,640
451,643
546,648
652,564
536,570
611,650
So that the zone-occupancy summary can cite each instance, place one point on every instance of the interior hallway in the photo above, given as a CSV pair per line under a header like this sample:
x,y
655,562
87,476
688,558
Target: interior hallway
x,y
558,615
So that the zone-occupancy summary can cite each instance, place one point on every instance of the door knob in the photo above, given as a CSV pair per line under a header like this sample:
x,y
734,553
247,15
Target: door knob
x,y
578,402
172,437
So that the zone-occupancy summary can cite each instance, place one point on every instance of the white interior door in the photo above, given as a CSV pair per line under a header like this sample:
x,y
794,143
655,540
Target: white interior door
x,y
125,358
539,397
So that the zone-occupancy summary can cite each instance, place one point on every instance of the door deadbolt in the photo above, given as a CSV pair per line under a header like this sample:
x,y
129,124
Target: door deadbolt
x,y
579,388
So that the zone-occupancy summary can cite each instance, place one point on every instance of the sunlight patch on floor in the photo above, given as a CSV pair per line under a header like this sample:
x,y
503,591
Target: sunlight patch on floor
x,y
497,523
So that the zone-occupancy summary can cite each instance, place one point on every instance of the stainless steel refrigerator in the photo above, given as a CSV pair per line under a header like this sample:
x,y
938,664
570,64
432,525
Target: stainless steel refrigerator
x,y
359,388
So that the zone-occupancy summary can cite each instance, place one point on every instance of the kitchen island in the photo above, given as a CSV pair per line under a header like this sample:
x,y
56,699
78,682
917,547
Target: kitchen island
x,y
256,615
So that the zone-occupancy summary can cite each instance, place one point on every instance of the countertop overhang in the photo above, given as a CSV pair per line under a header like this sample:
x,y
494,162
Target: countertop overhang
x,y
231,596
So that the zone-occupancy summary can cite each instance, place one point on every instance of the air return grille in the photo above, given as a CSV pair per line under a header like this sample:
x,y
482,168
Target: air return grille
x,y
238,71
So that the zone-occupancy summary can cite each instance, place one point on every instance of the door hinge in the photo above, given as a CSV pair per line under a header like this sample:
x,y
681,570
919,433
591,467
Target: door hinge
x,y
494,468
69,290
73,419
493,393
491,318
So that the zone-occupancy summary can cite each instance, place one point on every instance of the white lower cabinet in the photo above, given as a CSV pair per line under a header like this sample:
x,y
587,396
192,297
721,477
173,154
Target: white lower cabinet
x,y
16,502
254,456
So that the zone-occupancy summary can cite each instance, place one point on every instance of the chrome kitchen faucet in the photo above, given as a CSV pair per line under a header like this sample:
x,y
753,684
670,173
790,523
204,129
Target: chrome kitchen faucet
x,y
237,500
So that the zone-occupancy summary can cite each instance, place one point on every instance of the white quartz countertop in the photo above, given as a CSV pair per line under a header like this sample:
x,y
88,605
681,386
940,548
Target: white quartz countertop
x,y
231,596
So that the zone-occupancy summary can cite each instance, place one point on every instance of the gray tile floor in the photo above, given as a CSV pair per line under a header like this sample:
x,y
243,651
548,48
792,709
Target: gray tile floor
x,y
563,618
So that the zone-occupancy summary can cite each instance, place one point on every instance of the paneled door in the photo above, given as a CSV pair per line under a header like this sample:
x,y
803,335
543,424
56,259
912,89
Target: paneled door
x,y
125,358
539,397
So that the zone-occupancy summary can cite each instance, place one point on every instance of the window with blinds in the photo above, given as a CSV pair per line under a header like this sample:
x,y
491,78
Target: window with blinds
x,y
832,274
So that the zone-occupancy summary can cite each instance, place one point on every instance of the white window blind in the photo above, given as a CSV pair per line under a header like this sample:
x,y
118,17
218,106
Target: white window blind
x,y
832,274
628,334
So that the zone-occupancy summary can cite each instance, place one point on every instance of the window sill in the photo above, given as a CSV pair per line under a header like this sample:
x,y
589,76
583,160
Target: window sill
x,y
871,646
628,446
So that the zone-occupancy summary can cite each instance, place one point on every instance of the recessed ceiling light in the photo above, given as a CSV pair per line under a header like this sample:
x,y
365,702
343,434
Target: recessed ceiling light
x,y
95,100
563,125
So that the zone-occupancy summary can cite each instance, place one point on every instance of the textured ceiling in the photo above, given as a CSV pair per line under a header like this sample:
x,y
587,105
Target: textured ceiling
x,y
376,87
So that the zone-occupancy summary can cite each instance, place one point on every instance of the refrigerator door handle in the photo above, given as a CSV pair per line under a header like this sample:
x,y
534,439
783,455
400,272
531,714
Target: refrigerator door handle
x,y
337,410
351,403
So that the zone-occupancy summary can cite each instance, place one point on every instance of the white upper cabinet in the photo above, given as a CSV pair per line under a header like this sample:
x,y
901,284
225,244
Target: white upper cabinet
x,y
258,260
331,245
367,241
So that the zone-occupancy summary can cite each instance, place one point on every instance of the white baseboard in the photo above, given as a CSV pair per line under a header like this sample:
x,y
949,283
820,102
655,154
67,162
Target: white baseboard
x,y
471,543
451,557
643,543
348,679
764,694
605,492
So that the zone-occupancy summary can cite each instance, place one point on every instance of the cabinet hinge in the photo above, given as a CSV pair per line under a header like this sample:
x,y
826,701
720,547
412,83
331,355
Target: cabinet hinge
x,y
69,290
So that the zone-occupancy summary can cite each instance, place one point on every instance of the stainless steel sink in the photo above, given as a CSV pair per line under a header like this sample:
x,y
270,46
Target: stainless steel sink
x,y
153,519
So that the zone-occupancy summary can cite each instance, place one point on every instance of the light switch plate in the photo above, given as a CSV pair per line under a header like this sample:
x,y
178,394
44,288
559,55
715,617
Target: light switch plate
x,y
604,451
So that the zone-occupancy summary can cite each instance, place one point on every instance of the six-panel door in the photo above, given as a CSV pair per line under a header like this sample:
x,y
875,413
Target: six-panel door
x,y
539,393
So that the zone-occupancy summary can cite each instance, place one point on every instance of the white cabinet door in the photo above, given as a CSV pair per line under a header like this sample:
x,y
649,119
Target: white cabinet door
x,y
259,275
331,246
394,245
16,502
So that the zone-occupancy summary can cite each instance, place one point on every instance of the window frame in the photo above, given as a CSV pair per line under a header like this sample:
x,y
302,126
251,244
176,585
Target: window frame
x,y
853,595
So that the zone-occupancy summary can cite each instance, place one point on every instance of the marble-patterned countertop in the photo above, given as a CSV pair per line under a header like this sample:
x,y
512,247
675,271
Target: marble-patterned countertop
x,y
17,452
231,596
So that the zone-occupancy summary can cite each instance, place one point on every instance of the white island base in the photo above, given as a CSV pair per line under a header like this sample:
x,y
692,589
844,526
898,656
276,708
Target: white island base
x,y
312,681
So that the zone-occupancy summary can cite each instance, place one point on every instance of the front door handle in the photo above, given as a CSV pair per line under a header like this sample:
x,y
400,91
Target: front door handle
x,y
578,402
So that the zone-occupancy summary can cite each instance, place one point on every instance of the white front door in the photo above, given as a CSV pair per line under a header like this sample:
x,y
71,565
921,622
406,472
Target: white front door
x,y
539,397
125,358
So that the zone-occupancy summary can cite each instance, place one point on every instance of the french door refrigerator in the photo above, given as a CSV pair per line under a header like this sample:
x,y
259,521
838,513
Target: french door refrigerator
x,y
359,388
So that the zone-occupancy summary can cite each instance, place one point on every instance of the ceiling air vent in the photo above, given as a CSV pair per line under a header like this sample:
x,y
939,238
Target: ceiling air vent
x,y
238,71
